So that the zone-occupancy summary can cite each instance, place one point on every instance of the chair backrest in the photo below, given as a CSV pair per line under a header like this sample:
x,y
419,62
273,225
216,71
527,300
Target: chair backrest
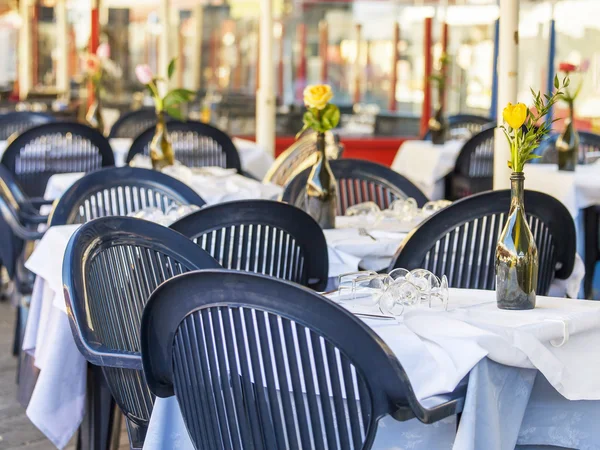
x,y
299,156
470,122
358,181
15,122
133,123
475,164
589,145
111,267
460,240
119,192
61,147
195,144
261,236
257,362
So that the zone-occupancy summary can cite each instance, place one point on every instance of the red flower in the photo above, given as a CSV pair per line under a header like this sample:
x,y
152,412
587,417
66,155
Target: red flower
x,y
567,67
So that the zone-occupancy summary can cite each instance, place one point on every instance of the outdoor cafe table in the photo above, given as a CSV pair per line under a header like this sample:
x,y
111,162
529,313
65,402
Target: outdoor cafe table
x,y
426,164
58,400
534,376
254,160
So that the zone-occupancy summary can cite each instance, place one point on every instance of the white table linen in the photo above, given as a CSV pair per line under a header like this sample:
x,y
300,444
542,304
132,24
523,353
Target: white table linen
x,y
426,164
62,378
213,184
503,351
254,160
576,190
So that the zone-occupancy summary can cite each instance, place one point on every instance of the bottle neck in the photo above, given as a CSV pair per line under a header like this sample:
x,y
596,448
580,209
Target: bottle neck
x,y
517,181
321,143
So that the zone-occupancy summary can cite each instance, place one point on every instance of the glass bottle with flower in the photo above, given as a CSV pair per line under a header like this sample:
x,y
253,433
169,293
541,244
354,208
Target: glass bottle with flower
x,y
567,144
97,67
516,251
438,126
167,104
321,116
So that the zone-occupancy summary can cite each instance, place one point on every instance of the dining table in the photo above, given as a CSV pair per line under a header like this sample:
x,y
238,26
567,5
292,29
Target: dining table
x,y
58,400
254,160
533,376
426,164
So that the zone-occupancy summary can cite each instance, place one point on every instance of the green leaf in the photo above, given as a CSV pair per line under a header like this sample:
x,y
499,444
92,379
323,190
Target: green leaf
x,y
175,112
330,117
532,156
171,69
556,81
177,97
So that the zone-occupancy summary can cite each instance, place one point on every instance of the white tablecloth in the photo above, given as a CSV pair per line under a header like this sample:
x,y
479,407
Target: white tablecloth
x,y
57,403
348,251
503,351
255,161
576,190
426,164
213,184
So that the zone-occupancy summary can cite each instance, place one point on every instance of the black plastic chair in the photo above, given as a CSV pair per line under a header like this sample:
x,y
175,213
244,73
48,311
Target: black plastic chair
x,y
118,192
15,122
111,267
358,181
470,122
262,236
133,123
460,240
301,155
195,144
474,169
62,147
194,334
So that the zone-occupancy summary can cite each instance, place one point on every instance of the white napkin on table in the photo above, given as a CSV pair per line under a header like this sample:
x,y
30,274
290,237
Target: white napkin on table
x,y
350,249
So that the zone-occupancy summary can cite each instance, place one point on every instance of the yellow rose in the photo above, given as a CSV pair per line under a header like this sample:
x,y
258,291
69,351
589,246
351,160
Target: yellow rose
x,y
515,115
317,96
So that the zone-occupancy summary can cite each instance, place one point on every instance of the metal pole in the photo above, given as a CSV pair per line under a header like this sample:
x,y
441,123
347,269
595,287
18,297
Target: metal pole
x,y
265,98
508,70
323,46
551,57
94,41
24,50
164,52
394,73
357,66
301,80
62,43
198,12
494,103
426,110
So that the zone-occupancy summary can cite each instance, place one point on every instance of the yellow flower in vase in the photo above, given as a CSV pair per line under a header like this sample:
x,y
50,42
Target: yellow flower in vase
x,y
515,115
317,96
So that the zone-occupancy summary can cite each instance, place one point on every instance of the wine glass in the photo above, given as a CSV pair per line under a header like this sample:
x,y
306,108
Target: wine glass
x,y
369,289
346,283
399,295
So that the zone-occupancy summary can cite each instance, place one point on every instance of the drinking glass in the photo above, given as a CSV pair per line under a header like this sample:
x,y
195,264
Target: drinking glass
x,y
369,289
399,295
346,283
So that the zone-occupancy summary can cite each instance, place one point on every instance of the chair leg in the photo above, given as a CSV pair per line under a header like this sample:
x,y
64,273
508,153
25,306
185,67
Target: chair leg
x,y
591,223
17,334
96,428
137,435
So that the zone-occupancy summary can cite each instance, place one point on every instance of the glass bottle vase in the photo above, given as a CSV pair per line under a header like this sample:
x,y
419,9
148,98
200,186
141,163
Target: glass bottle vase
x,y
567,145
516,255
93,116
321,189
161,149
438,127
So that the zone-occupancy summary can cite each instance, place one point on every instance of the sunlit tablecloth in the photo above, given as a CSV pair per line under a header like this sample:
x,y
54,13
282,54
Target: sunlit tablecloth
x,y
426,164
254,160
576,190
519,363
213,184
